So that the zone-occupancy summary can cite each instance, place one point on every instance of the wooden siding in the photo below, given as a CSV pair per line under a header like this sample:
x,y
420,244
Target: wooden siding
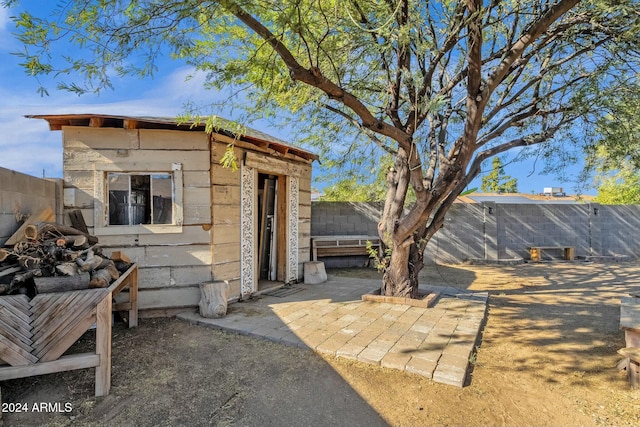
x,y
172,265
225,242
304,219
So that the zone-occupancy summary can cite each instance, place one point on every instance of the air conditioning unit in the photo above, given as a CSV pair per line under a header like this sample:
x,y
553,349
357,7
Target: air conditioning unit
x,y
554,191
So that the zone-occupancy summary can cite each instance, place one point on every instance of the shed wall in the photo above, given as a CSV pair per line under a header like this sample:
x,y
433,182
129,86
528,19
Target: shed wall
x,y
172,265
226,190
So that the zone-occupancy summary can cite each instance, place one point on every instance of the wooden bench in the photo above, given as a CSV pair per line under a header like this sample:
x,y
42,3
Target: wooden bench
x,y
325,246
536,252
630,324
632,354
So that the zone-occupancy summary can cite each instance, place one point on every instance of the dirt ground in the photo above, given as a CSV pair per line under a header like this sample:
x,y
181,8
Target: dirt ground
x,y
547,357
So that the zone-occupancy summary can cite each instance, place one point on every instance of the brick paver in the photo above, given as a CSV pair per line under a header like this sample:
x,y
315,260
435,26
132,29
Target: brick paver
x,y
331,318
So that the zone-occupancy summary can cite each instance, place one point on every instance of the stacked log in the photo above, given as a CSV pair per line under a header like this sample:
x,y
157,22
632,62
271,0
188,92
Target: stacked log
x,y
51,257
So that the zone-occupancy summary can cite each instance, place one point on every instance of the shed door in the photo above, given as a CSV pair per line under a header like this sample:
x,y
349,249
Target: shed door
x,y
267,235
283,247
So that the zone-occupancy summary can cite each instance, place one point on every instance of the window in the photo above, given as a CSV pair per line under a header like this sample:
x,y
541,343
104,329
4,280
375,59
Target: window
x,y
137,198
140,200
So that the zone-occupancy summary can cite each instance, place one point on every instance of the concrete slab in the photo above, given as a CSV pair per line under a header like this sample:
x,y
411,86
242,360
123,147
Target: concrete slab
x,y
331,319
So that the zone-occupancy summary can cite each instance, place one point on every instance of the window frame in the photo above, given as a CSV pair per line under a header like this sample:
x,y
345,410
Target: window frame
x,y
101,200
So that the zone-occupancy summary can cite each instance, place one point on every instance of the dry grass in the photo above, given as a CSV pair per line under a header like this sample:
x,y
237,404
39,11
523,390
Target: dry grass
x,y
547,357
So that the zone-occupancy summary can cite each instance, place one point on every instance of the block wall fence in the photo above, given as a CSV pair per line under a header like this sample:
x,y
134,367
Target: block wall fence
x,y
25,194
493,231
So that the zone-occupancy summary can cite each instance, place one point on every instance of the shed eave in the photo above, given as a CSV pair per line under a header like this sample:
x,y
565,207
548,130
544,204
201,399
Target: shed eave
x,y
252,136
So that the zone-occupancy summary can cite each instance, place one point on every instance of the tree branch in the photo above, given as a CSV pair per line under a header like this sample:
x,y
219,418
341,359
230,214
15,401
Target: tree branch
x,y
364,130
314,77
535,30
534,139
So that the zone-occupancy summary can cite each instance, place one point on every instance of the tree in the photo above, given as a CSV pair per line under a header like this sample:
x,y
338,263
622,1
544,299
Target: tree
x,y
496,181
614,157
350,190
359,187
619,183
616,131
440,86
620,188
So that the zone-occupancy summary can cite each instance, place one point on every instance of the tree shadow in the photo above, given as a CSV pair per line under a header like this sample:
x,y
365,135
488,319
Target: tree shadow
x,y
168,372
559,322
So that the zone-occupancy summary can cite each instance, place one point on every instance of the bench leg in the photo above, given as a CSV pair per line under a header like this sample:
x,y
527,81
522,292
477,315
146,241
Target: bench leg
x,y
569,254
633,372
535,254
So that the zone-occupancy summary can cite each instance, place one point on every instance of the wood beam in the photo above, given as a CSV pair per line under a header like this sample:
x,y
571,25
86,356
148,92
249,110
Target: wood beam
x,y
96,122
272,165
65,363
57,124
279,148
131,124
265,147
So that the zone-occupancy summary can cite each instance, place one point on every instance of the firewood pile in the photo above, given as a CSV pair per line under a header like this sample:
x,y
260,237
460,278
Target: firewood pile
x,y
52,257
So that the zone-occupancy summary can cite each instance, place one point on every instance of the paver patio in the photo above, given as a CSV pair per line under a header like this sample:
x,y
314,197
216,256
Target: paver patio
x,y
331,318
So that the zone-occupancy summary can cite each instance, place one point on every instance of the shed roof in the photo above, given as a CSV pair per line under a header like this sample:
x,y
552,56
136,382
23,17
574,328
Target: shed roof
x,y
255,137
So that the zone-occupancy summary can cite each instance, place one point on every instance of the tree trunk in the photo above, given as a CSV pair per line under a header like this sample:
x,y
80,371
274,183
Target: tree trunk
x,y
400,278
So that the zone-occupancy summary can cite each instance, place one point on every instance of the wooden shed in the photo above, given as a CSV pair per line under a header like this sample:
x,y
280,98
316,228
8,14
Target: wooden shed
x,y
156,190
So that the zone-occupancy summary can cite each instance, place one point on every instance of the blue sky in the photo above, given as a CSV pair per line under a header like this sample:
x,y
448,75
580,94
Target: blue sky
x,y
28,146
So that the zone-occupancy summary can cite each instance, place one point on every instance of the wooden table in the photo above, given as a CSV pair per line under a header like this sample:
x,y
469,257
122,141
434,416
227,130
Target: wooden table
x,y
35,333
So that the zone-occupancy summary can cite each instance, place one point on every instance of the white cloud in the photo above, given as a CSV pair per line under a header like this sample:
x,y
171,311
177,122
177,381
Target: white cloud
x,y
185,83
8,43
28,146
4,18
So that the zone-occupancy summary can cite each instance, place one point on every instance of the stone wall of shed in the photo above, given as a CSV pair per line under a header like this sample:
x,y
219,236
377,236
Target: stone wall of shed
x,y
225,212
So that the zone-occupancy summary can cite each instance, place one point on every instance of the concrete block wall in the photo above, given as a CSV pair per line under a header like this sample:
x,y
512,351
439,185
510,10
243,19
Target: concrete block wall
x,y
499,231
24,194
459,238
348,219
620,229
345,218
524,225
